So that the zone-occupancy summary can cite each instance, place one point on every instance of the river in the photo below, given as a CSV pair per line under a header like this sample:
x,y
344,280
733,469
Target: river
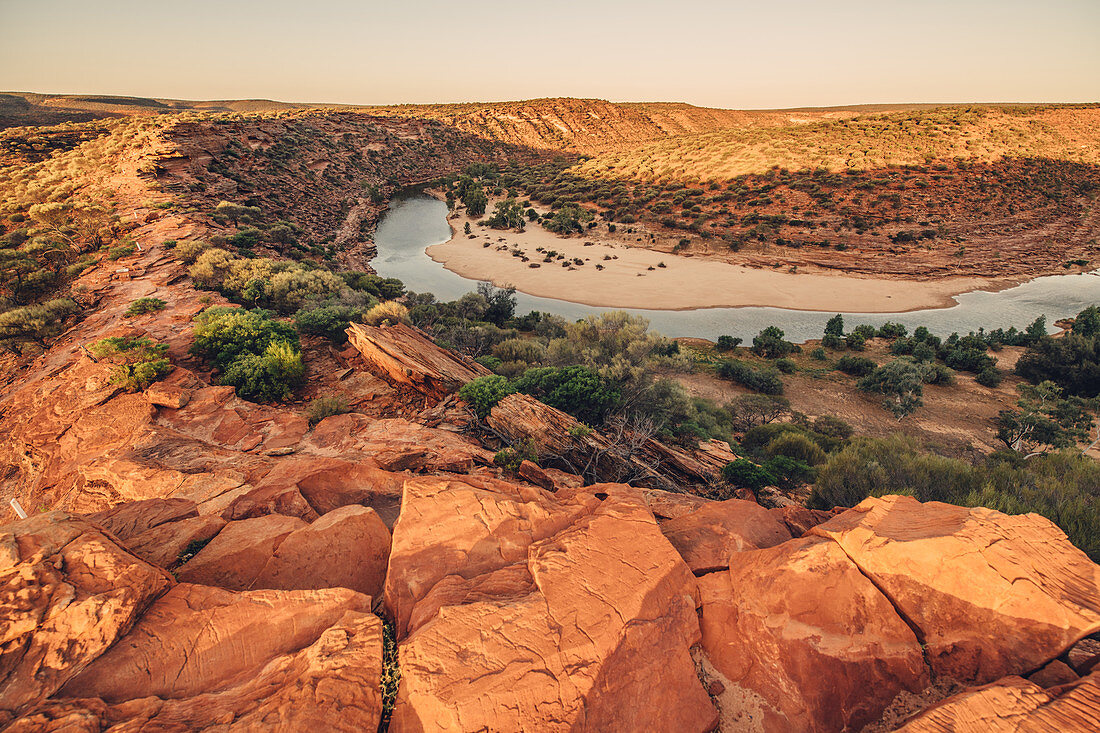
x,y
416,222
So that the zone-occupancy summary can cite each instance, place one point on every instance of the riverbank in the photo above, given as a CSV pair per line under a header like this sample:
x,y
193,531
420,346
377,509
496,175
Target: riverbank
x,y
612,274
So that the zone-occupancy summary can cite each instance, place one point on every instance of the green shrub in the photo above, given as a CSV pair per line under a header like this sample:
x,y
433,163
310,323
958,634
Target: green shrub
x,y
786,366
770,343
857,366
819,354
798,446
222,334
990,377
890,330
482,394
268,377
137,362
745,474
510,458
789,473
901,382
764,380
323,407
576,390
142,306
728,343
329,321
35,322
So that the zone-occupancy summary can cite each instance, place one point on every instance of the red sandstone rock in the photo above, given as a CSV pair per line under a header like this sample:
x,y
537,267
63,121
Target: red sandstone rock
x,y
707,537
991,594
235,557
1053,674
126,520
406,358
800,520
263,660
165,544
803,642
346,548
199,639
67,593
167,395
469,527
571,616
1014,705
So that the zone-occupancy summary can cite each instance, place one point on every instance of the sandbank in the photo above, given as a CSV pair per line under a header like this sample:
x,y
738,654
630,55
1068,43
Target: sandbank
x,y
633,277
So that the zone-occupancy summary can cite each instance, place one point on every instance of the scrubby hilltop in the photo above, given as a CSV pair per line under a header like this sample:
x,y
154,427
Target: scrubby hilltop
x,y
260,499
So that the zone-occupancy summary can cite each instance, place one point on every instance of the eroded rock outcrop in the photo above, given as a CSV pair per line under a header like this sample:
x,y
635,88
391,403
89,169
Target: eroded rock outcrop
x,y
1014,705
67,593
989,594
203,657
408,359
519,609
802,641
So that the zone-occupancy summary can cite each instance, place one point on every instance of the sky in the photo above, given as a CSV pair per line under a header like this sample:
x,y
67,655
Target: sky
x,y
734,54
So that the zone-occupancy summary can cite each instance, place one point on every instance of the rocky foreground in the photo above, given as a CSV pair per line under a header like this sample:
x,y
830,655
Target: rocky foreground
x,y
214,564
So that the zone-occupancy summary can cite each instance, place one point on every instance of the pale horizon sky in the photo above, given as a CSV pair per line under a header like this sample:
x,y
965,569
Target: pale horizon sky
x,y
740,55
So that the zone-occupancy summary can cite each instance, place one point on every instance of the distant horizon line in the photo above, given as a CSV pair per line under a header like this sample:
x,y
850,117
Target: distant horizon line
x,y
122,96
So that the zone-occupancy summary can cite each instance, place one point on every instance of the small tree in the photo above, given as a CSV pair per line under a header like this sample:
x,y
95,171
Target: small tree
x,y
902,383
769,343
1045,420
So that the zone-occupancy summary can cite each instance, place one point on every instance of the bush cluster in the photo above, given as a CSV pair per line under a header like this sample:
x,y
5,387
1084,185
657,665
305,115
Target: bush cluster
x,y
258,355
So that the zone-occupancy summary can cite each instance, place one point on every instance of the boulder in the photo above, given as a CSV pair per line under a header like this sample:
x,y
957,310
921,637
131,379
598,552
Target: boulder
x,y
801,641
256,661
167,395
1014,705
237,554
800,520
989,594
346,548
67,593
530,613
466,526
406,358
199,639
1053,674
707,537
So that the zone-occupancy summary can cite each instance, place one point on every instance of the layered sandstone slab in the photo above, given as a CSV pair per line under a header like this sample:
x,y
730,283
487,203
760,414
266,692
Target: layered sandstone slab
x,y
405,357
989,594
522,610
1014,705
67,593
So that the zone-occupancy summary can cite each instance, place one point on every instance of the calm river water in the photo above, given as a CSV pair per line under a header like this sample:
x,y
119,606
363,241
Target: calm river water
x,y
417,222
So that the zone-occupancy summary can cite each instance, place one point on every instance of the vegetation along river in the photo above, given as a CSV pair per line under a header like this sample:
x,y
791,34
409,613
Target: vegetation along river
x,y
416,222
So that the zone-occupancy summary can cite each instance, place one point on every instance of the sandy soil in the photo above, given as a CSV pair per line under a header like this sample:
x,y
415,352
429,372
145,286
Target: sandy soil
x,y
633,277
958,418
